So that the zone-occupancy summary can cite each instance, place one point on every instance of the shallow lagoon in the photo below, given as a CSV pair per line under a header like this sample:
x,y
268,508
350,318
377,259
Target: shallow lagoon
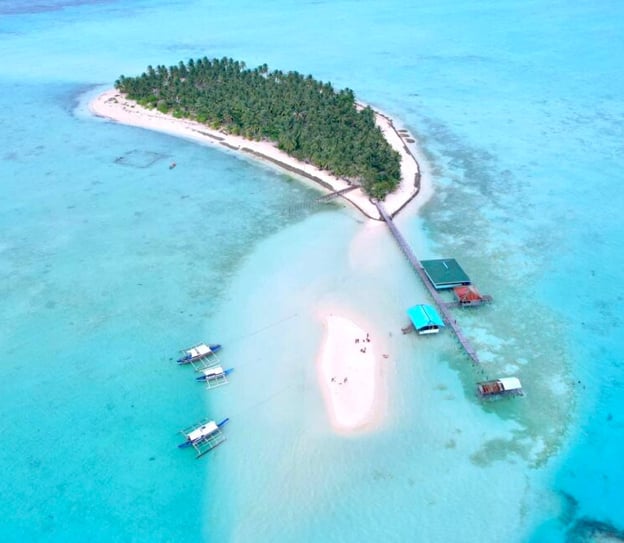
x,y
108,268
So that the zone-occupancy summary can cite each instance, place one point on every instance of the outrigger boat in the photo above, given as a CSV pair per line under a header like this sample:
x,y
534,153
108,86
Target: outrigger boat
x,y
198,353
505,386
204,436
214,376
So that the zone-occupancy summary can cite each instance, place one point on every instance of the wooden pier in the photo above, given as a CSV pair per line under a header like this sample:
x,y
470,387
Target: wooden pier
x,y
336,193
442,305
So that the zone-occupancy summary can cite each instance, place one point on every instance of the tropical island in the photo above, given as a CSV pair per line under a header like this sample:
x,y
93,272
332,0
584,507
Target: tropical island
x,y
287,121
305,118
305,128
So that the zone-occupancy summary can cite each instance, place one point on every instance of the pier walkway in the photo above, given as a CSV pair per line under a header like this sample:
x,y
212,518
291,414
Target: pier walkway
x,y
336,193
442,306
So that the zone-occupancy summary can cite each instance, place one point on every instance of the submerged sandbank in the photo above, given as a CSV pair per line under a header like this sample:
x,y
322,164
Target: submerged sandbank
x,y
348,369
113,105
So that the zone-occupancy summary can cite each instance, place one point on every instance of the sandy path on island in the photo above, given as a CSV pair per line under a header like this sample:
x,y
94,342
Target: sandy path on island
x,y
112,105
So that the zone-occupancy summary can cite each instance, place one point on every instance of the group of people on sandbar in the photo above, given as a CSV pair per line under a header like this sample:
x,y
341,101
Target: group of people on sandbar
x,y
365,340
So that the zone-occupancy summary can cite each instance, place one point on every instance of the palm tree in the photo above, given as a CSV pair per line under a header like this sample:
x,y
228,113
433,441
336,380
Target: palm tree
x,y
305,117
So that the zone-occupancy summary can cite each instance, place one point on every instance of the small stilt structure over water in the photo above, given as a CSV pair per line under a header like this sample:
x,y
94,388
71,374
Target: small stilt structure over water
x,y
468,296
425,319
442,306
445,273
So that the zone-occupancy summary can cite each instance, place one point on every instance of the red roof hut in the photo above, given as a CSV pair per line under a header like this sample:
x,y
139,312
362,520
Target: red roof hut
x,y
469,295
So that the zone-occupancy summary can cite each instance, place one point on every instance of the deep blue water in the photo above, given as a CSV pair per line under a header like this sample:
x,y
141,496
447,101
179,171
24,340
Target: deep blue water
x,y
109,266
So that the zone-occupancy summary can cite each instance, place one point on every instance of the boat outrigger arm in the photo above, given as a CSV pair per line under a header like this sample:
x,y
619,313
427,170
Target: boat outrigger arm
x,y
214,376
204,436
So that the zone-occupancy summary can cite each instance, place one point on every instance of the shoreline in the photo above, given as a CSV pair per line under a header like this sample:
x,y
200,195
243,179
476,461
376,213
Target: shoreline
x,y
114,106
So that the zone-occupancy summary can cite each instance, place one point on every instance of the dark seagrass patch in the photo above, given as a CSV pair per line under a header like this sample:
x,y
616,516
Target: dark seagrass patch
x,y
139,159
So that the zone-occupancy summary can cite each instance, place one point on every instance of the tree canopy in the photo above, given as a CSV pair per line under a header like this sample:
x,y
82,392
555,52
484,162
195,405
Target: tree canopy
x,y
306,118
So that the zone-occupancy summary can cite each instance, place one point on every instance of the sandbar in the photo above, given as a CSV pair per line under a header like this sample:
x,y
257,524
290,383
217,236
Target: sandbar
x,y
113,105
348,368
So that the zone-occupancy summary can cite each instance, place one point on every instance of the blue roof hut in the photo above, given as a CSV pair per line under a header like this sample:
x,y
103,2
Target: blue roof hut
x,y
425,319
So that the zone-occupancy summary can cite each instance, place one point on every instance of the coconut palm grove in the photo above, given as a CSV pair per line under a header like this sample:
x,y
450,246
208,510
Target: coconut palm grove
x,y
306,118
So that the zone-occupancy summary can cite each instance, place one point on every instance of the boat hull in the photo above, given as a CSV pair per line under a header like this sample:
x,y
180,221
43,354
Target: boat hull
x,y
189,359
204,378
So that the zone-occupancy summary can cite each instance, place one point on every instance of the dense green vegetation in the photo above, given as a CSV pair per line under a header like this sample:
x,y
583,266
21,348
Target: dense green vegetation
x,y
306,118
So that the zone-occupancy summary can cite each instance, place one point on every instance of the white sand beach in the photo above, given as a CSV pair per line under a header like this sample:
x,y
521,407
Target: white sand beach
x,y
114,106
348,370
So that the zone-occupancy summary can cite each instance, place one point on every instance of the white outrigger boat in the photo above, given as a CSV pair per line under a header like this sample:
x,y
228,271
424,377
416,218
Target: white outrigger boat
x,y
204,436
214,376
505,386
197,355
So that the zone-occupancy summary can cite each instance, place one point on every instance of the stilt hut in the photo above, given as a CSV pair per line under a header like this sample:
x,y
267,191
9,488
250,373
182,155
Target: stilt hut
x,y
468,295
425,319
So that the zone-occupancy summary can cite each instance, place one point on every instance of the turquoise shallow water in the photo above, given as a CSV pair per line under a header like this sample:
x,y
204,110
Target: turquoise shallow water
x,y
110,262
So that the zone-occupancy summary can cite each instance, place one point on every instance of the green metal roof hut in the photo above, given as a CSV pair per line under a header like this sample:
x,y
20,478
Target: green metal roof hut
x,y
425,319
445,273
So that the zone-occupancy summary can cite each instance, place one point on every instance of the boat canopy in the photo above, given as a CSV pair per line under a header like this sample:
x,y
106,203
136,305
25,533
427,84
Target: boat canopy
x,y
424,316
215,370
199,350
203,431
510,383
